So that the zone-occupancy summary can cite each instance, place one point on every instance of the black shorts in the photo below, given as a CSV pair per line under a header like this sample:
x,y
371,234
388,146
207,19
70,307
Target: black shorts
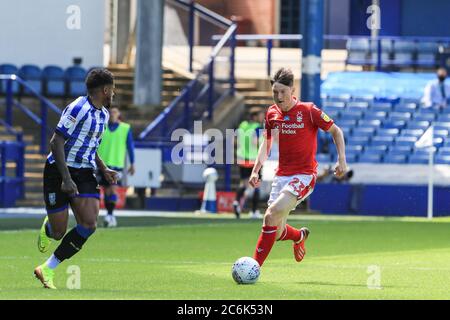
x,y
57,200
104,183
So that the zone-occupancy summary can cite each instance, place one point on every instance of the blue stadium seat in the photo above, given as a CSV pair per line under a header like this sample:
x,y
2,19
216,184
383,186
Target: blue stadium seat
x,y
32,74
75,77
381,106
431,110
333,114
412,132
375,115
399,116
370,158
349,123
9,69
363,141
394,124
351,158
346,131
354,148
418,159
369,123
358,106
344,97
395,158
382,140
442,159
421,151
418,125
323,158
444,151
441,125
424,117
351,115
444,117
440,133
393,132
332,109
358,50
438,142
426,53
403,53
405,141
360,131
55,85
409,107
335,104
363,98
376,149
396,150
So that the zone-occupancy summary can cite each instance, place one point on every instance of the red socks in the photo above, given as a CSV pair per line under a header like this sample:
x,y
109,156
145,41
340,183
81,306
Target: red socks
x,y
265,242
290,233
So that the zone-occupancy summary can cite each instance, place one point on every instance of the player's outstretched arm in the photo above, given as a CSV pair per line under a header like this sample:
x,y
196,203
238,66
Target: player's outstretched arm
x,y
263,154
57,147
338,138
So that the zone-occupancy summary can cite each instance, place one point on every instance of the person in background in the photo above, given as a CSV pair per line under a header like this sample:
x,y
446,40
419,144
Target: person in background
x,y
247,152
116,143
437,91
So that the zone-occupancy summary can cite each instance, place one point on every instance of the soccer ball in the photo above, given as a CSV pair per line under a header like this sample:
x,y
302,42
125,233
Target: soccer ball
x,y
245,270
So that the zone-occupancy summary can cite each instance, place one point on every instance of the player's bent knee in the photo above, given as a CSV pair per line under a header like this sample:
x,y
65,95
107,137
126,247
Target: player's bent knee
x,y
58,234
86,230
273,216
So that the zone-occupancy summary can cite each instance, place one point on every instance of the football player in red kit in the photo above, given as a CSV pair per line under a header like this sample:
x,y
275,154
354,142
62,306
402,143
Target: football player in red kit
x,y
294,125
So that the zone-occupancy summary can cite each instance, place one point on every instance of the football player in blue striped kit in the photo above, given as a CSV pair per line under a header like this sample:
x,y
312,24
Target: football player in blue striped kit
x,y
69,174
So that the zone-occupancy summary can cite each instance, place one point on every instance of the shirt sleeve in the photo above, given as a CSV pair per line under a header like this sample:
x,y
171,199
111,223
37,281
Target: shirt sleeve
x,y
267,127
321,119
70,118
130,146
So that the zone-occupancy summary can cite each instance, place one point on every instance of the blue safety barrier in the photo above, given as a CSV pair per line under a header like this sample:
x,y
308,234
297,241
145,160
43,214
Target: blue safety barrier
x,y
11,186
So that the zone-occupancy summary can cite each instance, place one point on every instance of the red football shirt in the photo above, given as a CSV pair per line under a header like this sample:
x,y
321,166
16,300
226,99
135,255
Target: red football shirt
x,y
297,131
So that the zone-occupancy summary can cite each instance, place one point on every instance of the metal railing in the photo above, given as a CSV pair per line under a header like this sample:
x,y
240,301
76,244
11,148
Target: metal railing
x,y
198,99
39,120
269,39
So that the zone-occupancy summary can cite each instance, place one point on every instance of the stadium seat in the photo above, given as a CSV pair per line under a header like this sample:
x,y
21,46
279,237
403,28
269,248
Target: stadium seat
x,y
75,77
438,142
361,131
369,123
349,123
335,104
412,132
370,158
351,115
440,133
426,54
405,141
388,132
399,116
382,140
442,159
418,125
403,53
394,124
346,131
8,69
381,106
344,97
441,125
395,158
354,148
444,117
375,115
363,141
364,98
33,76
396,150
376,149
54,83
409,107
358,106
418,159
424,117
358,50
351,158
332,109
444,151
323,158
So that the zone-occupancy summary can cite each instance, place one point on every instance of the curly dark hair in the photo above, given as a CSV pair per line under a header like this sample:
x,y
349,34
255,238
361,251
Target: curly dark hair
x,y
97,78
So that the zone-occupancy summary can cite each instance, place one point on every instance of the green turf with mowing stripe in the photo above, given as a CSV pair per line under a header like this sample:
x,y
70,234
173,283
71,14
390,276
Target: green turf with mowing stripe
x,y
169,258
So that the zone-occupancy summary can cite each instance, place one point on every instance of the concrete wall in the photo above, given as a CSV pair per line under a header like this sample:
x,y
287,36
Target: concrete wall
x,y
44,32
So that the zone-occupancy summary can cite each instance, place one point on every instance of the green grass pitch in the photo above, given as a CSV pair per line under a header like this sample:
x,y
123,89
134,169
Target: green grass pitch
x,y
191,258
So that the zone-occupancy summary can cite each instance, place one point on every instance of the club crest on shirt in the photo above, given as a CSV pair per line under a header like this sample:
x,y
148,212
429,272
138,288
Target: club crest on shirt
x,y
70,121
52,198
325,117
299,116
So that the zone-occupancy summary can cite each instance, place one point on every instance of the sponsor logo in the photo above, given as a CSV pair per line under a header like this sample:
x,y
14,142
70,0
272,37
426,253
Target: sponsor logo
x,y
70,121
325,117
286,118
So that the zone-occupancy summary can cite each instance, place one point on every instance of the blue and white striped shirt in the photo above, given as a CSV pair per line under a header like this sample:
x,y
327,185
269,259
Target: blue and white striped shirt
x,y
82,125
